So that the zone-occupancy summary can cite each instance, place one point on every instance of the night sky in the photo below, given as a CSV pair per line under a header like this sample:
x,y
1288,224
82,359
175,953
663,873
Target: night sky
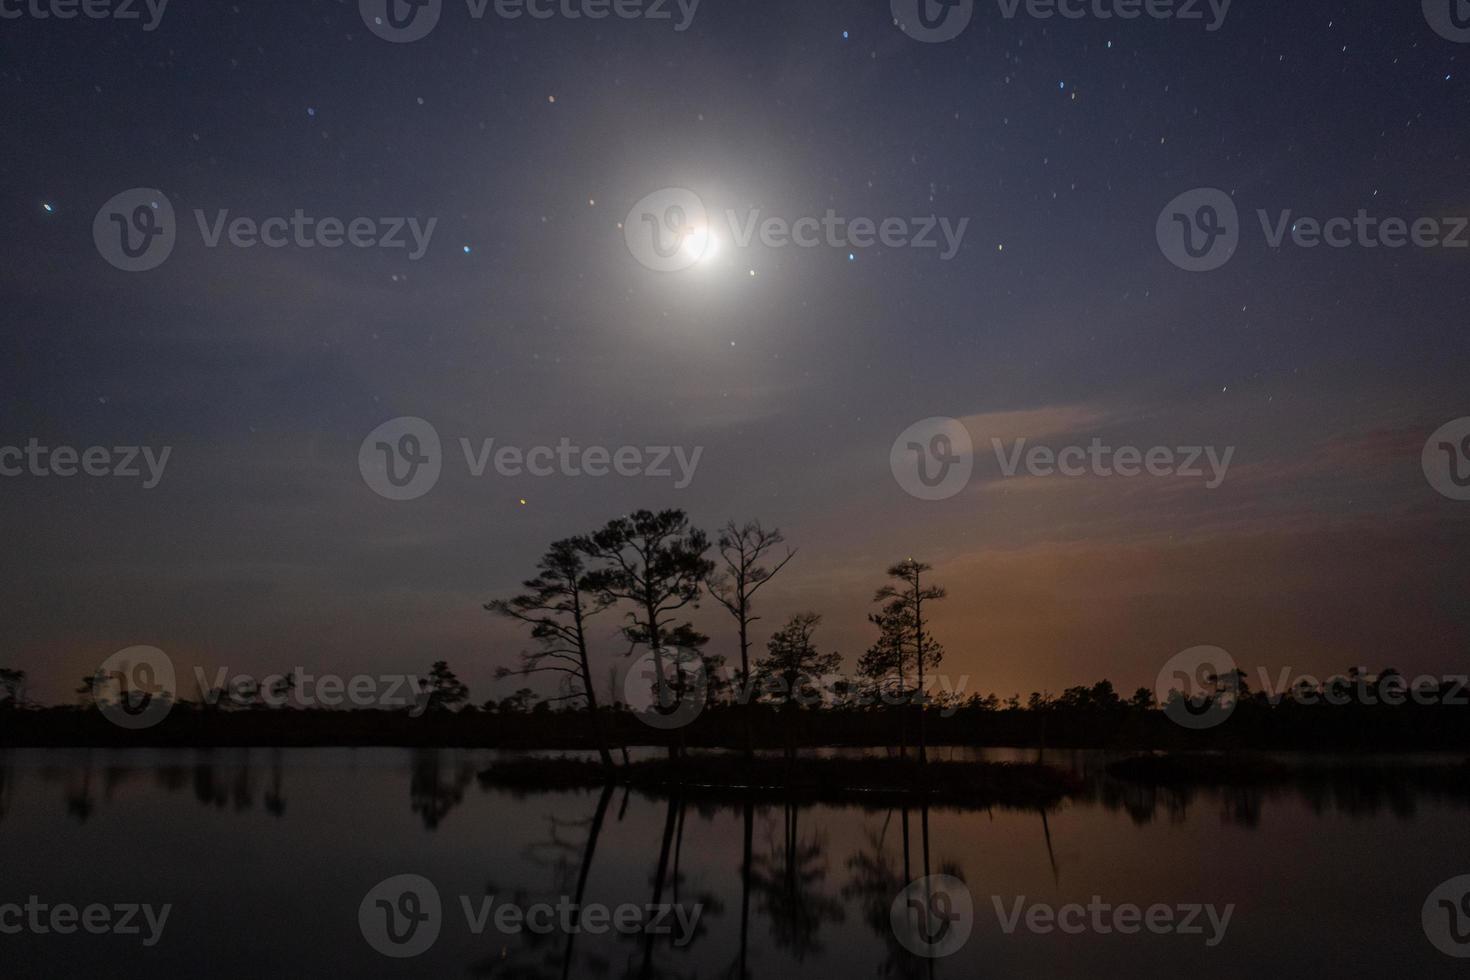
x,y
795,369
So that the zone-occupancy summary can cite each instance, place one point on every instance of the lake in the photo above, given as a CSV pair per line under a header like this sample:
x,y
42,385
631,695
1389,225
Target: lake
x,y
272,864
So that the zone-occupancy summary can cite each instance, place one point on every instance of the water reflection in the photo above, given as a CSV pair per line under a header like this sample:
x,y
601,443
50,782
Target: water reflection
x,y
439,783
878,873
239,780
789,883
92,779
783,886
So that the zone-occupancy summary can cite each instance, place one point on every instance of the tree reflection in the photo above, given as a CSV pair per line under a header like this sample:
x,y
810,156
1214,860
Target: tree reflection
x,y
787,881
438,785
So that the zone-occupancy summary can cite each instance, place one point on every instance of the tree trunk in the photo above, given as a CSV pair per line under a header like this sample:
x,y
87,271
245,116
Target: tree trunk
x,y
593,832
598,734
743,702
903,710
660,678
919,649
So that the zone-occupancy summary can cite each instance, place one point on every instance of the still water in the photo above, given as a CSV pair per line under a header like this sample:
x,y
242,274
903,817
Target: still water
x,y
265,858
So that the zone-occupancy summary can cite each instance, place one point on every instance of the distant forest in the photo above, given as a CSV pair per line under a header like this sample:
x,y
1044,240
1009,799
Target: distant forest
x,y
653,568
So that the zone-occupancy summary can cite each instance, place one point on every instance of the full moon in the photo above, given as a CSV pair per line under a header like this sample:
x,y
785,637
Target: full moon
x,y
701,244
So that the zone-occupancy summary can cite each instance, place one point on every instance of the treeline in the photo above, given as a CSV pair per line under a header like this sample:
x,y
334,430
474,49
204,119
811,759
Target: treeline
x,y
650,570
1081,717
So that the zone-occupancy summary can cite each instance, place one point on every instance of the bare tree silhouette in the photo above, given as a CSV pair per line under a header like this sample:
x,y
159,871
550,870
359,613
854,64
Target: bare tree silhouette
x,y
556,606
742,550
